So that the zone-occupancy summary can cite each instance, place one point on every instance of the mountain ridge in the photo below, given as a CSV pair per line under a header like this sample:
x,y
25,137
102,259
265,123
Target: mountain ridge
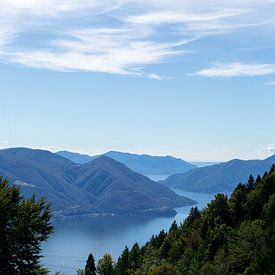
x,y
144,164
219,177
77,189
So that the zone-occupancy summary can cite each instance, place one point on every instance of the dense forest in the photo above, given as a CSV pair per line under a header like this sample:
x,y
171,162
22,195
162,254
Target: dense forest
x,y
233,235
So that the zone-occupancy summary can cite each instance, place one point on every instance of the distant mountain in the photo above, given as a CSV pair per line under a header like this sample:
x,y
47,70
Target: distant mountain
x,y
221,177
103,186
76,157
143,164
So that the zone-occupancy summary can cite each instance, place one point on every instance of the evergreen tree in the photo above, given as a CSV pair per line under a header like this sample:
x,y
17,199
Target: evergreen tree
x,y
251,184
90,265
122,265
105,265
194,214
134,257
24,225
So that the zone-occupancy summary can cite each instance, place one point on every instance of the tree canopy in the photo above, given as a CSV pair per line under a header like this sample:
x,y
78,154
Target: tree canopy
x,y
24,225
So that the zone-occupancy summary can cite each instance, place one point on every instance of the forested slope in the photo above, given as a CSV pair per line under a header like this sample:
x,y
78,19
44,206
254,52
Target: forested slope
x,y
233,235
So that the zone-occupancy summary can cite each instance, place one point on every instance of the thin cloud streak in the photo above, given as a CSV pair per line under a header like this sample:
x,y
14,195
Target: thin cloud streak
x,y
237,70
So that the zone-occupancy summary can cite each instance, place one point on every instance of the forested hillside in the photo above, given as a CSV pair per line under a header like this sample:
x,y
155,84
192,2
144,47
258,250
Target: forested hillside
x,y
233,235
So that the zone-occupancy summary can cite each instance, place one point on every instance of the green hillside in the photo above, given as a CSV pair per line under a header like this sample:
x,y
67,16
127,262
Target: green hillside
x,y
230,236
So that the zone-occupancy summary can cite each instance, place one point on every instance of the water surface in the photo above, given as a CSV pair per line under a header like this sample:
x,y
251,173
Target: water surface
x,y
70,245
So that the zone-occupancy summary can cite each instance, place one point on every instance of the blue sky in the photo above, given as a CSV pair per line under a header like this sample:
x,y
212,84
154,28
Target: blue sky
x,y
195,80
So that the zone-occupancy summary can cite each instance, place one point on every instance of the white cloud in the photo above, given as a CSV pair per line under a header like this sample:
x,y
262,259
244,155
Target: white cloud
x,y
270,83
118,51
121,36
237,69
268,150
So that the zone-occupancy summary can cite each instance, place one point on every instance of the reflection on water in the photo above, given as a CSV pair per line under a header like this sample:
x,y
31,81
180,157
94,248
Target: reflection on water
x,y
70,245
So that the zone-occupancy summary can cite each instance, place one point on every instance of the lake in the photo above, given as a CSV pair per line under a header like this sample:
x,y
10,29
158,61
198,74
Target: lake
x,y
68,248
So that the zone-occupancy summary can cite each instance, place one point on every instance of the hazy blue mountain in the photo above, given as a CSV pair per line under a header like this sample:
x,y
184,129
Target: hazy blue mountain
x,y
103,186
221,177
45,174
143,164
76,157
119,189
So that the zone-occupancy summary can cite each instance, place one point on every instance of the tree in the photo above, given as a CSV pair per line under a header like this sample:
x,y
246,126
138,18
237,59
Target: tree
x,y
250,251
218,211
105,265
251,183
90,265
194,214
164,269
123,262
24,225
134,257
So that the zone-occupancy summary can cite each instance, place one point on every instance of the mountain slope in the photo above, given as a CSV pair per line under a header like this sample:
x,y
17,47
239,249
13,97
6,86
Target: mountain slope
x,y
119,189
45,174
143,164
220,177
103,186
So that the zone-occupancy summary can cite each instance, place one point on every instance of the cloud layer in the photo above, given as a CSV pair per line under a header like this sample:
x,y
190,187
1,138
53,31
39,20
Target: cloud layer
x,y
124,37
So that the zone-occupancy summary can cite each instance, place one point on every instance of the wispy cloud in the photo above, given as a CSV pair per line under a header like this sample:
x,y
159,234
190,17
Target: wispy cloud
x,y
237,69
121,36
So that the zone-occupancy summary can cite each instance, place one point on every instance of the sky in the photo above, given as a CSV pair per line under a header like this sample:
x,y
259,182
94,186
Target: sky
x,y
192,79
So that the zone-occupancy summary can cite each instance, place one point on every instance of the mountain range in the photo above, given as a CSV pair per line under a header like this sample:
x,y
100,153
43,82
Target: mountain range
x,y
100,187
221,177
143,164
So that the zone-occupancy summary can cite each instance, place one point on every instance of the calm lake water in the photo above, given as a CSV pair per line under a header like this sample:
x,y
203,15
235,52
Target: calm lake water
x,y
68,248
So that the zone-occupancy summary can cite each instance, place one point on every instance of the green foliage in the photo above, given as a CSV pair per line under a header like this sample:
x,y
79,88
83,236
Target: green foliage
x,y
24,225
230,236
164,269
105,265
122,266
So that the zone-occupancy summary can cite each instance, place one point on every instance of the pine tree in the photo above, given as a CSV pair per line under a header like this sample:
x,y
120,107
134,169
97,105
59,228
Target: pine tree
x,y
251,184
122,265
90,265
134,257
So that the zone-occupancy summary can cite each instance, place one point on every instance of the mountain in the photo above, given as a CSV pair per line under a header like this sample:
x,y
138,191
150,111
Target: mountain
x,y
45,174
103,186
220,177
76,157
119,189
143,164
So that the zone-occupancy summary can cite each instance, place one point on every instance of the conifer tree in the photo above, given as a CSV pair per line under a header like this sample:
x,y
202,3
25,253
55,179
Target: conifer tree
x,y
105,265
90,265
